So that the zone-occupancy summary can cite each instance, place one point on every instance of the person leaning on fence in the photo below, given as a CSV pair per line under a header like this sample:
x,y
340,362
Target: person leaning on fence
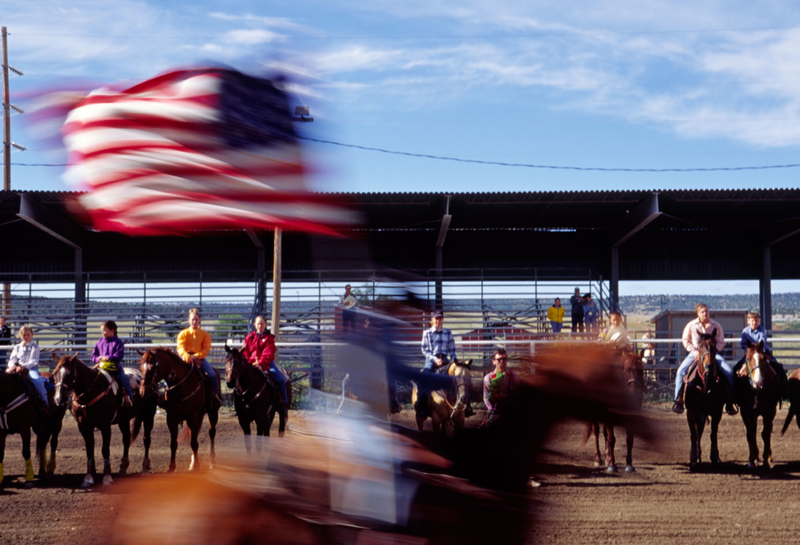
x,y
703,325
755,333
649,352
349,310
5,340
616,335
576,311
108,354
259,349
496,386
555,314
194,345
26,355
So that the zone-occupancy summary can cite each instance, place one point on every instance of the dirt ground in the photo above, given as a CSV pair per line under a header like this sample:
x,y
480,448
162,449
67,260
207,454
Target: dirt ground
x,y
576,503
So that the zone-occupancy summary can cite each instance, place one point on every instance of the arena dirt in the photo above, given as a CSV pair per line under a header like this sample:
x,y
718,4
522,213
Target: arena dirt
x,y
576,503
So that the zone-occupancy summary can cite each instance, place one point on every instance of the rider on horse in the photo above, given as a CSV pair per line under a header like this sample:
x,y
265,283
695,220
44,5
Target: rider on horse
x,y
25,355
616,335
259,350
496,386
701,325
439,349
194,344
108,354
755,333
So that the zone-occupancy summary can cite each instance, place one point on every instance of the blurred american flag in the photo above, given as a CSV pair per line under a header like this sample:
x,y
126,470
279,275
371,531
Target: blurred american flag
x,y
192,149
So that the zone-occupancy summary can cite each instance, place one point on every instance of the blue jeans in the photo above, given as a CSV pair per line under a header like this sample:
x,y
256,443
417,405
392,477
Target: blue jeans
x,y
208,370
279,378
723,365
556,327
38,383
125,381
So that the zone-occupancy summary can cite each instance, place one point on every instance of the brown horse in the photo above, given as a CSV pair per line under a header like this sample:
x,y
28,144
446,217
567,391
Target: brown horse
x,y
47,427
632,375
17,414
705,397
793,395
97,403
446,406
472,487
188,398
255,396
758,390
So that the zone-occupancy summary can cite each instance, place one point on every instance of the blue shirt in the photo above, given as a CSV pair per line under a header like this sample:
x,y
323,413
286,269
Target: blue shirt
x,y
755,337
438,342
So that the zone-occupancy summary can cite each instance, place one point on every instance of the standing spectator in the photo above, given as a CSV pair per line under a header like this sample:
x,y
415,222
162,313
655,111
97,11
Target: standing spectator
x,y
5,340
496,386
590,314
577,311
649,353
556,316
349,309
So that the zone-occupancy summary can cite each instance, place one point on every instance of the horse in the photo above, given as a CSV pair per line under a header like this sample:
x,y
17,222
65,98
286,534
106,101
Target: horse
x,y
97,403
469,487
47,427
705,397
188,397
793,396
17,414
759,394
255,396
447,405
632,375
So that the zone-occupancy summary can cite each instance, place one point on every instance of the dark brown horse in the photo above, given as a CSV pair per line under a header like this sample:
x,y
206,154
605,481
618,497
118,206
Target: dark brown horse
x,y
632,375
188,398
96,404
47,426
255,396
793,395
472,487
757,386
17,413
705,397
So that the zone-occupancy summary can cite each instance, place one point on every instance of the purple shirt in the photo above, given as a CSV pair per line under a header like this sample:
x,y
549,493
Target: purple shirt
x,y
110,347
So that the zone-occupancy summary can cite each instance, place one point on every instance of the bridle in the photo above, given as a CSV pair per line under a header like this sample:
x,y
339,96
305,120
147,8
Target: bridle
x,y
232,361
152,376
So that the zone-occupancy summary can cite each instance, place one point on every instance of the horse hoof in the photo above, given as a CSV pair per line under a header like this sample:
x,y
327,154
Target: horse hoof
x,y
42,475
122,472
88,482
630,469
28,485
597,464
751,466
611,469
107,480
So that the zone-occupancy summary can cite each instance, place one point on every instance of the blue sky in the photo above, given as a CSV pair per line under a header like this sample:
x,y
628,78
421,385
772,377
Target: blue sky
x,y
644,84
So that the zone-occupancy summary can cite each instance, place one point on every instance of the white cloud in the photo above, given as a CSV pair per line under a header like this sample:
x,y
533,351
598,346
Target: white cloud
x,y
252,36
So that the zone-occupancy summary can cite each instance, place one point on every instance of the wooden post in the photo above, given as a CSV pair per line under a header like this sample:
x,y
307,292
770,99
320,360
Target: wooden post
x,y
276,284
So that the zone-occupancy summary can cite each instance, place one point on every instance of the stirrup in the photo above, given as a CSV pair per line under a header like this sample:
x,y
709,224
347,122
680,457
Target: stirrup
x,y
731,409
677,407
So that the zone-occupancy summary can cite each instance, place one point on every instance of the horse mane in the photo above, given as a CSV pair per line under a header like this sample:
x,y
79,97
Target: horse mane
x,y
63,360
170,354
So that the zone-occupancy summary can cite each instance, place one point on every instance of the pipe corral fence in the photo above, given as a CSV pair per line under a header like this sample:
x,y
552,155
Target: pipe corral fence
x,y
483,311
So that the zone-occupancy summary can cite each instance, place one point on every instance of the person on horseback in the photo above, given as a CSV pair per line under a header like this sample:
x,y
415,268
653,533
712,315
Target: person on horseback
x,y
616,335
496,386
259,349
26,355
108,354
194,344
703,325
755,333
439,349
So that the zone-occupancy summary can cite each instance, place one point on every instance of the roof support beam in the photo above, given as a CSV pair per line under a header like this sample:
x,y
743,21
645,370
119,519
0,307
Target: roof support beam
x,y
637,219
36,214
445,225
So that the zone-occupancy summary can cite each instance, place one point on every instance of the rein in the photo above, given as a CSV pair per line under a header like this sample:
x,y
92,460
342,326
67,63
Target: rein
x,y
19,400
99,396
174,386
242,392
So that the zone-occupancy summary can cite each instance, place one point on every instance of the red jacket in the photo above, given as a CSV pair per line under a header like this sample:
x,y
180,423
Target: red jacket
x,y
259,349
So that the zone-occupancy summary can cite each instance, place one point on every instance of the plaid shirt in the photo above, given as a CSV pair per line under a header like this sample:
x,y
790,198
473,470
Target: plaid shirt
x,y
438,342
496,388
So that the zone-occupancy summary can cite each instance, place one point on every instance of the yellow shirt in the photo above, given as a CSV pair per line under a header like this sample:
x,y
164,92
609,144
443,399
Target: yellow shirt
x,y
555,314
197,341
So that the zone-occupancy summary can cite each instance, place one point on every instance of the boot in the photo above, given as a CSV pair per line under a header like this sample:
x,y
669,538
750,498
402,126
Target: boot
x,y
126,400
730,407
421,406
468,411
677,407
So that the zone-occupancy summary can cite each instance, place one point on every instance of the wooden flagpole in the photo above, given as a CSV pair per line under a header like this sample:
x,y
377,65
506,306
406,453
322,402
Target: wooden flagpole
x,y
276,283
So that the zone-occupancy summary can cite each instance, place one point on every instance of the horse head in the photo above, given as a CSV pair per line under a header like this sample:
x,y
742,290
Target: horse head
x,y
632,369
460,371
155,367
234,363
65,376
755,361
707,356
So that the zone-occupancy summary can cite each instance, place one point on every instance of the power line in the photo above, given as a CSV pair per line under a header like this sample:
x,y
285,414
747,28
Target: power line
x,y
550,167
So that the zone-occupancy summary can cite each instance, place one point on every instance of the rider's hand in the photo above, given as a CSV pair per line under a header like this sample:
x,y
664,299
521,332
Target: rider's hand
x,y
439,362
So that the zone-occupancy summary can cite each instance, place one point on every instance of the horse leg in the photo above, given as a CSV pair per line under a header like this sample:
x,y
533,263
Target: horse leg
x,y
629,436
751,427
593,428
25,434
611,442
172,424
58,421
149,420
42,437
213,418
695,433
715,418
125,428
766,436
105,450
245,425
2,456
282,423
194,428
88,440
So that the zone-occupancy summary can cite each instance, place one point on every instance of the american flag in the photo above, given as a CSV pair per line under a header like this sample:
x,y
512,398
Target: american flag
x,y
192,149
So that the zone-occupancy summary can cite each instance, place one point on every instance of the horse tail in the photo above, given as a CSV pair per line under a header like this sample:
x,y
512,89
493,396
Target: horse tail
x,y
587,433
185,434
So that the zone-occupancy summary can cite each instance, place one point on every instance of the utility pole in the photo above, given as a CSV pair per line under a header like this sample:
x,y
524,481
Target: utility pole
x,y
6,118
